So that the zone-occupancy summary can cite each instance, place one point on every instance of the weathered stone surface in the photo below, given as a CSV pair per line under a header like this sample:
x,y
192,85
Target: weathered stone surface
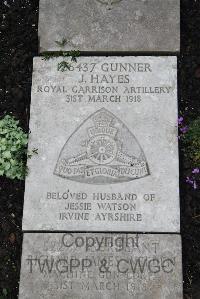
x,y
110,25
106,134
114,266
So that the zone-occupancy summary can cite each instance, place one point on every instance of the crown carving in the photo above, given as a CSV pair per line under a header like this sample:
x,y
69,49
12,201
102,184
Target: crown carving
x,y
102,119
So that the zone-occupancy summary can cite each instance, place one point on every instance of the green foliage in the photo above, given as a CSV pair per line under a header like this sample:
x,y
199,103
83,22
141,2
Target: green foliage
x,y
192,142
73,54
34,151
63,65
50,55
4,294
13,149
62,43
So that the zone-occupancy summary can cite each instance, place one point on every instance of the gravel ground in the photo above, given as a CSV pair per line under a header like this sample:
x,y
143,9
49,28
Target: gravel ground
x,y
18,46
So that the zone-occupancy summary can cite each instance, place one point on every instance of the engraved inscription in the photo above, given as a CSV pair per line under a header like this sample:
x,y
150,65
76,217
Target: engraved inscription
x,y
106,134
114,266
102,151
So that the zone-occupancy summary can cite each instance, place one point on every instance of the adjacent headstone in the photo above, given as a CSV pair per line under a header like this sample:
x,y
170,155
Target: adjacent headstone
x,y
110,25
106,136
79,266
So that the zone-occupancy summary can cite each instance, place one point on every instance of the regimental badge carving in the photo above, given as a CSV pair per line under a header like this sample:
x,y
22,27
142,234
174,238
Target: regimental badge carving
x,y
102,151
109,3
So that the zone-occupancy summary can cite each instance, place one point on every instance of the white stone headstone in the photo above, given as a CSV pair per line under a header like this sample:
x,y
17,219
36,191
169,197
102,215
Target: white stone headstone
x,y
101,266
106,134
110,25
